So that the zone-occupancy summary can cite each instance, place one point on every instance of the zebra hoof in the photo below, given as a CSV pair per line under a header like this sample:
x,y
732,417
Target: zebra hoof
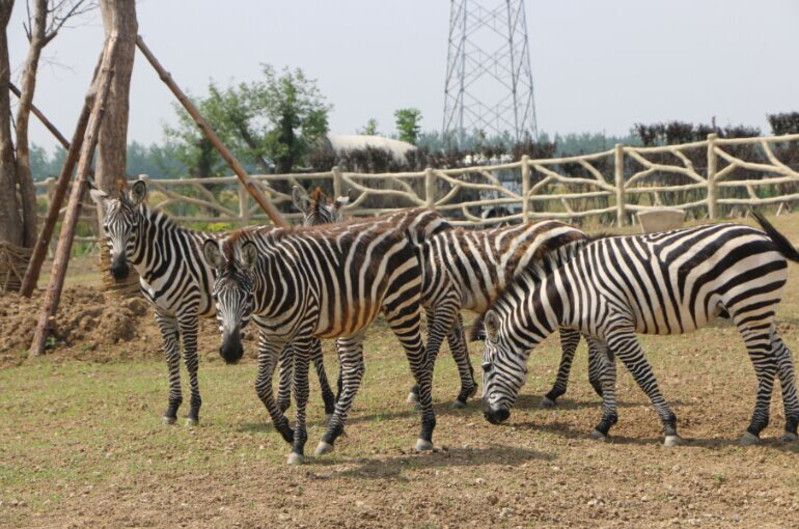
x,y
295,459
323,448
169,420
547,403
191,423
413,398
748,439
672,440
459,405
423,446
599,436
789,437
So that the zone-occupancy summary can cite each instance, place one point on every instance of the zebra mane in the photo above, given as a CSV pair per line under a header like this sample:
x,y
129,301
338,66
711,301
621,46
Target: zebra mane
x,y
549,262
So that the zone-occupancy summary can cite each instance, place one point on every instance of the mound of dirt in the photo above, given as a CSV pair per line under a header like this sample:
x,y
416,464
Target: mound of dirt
x,y
84,318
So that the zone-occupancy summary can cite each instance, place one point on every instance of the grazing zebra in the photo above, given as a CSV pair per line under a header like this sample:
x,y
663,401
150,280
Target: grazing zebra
x,y
175,279
663,283
468,269
299,284
424,224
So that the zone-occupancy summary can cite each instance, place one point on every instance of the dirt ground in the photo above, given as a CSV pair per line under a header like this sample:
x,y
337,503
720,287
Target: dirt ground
x,y
81,443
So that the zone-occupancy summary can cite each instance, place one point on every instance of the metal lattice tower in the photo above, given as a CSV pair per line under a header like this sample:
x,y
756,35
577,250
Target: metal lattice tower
x,y
489,85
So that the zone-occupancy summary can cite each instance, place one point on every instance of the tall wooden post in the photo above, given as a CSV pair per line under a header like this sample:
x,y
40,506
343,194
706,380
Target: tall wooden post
x,y
525,188
61,259
619,173
430,188
231,160
712,166
338,183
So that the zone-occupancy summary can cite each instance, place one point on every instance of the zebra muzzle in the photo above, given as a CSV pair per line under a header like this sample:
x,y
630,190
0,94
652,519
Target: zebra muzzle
x,y
231,349
495,415
119,268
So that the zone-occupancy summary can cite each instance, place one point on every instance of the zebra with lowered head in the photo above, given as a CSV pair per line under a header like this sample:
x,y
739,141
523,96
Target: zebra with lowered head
x,y
175,278
300,284
665,283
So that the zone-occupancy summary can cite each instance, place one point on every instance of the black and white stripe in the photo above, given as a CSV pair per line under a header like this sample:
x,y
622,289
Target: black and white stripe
x,y
329,281
666,283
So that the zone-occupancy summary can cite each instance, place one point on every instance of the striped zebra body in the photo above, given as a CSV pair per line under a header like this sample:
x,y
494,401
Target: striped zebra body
x,y
422,225
174,278
667,283
468,269
330,281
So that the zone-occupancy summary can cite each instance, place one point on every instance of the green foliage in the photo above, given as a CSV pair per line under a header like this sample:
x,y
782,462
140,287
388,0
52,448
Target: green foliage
x,y
408,124
370,129
784,123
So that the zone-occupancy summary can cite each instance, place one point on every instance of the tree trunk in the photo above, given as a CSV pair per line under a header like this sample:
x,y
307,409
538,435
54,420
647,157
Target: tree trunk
x,y
10,221
24,177
119,17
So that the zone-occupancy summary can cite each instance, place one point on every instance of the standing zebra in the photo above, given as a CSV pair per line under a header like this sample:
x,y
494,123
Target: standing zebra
x,y
424,224
300,284
664,283
175,279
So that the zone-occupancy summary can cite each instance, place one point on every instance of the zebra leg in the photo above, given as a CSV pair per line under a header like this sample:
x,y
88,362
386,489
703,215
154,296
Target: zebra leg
x,y
284,378
268,353
758,340
302,353
568,344
188,329
350,352
605,370
319,365
171,335
595,365
790,402
460,353
623,342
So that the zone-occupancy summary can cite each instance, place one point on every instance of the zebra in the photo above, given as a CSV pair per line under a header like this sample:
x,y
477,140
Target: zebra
x,y
665,283
468,269
425,224
303,283
175,279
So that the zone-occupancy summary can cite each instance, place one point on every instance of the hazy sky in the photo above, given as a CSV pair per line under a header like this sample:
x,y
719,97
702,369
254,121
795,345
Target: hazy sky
x,y
598,65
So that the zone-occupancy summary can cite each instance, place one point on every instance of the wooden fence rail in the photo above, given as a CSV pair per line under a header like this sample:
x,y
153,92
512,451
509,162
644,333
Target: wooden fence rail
x,y
705,178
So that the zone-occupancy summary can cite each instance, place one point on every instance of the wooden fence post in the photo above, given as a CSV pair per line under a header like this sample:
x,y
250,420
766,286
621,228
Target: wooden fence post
x,y
61,260
712,165
244,206
430,188
525,188
619,172
338,182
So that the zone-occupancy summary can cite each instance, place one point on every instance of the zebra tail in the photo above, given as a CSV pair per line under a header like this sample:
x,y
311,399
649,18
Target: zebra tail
x,y
784,246
477,330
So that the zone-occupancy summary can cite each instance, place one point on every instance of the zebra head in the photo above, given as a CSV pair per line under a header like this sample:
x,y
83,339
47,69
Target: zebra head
x,y
504,371
232,293
121,218
317,207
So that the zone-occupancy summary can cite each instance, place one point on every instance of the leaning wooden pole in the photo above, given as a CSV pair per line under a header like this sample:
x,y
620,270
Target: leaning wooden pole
x,y
234,164
46,122
64,248
73,150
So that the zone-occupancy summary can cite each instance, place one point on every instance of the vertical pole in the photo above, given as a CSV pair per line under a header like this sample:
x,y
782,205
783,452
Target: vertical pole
x,y
619,170
244,205
712,165
338,184
430,188
525,188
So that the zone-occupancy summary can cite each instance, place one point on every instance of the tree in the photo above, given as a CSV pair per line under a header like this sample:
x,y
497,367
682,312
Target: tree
x,y
370,129
408,124
268,123
43,24
190,145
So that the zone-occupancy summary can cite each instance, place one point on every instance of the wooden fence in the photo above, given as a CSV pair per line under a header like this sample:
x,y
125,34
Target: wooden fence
x,y
715,177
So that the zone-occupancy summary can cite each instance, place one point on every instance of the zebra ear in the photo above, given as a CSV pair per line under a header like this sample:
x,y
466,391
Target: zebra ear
x,y
491,321
300,199
138,193
212,253
100,198
249,255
